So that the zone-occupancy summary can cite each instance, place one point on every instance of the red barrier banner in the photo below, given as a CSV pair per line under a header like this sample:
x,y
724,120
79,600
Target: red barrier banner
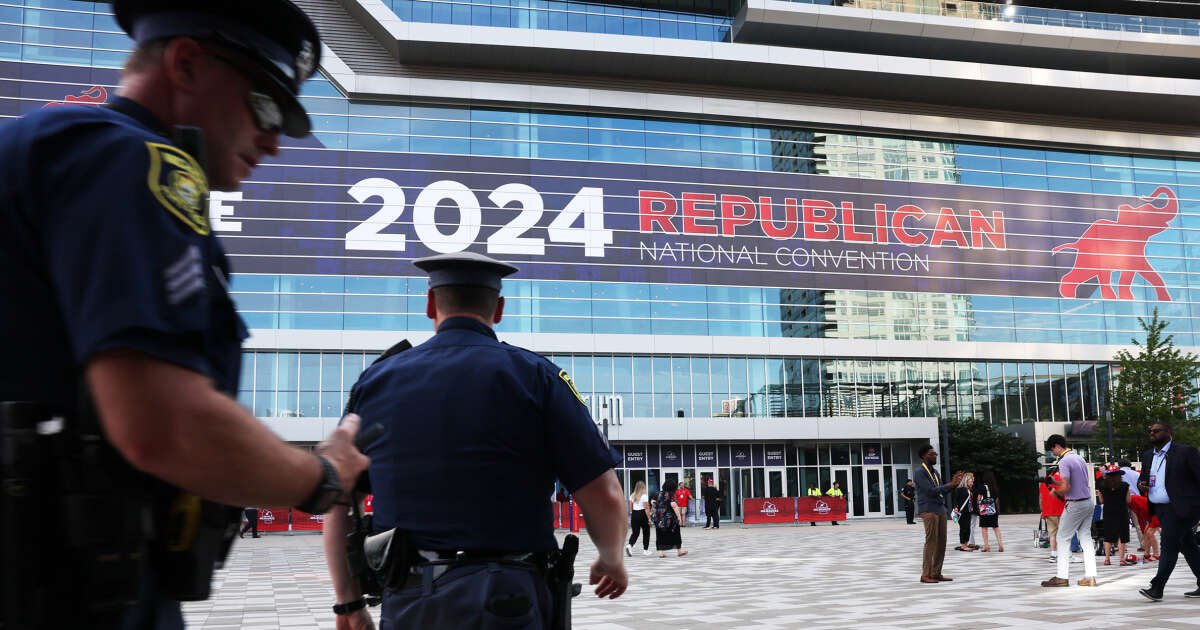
x,y
368,506
821,509
579,524
272,520
771,510
303,521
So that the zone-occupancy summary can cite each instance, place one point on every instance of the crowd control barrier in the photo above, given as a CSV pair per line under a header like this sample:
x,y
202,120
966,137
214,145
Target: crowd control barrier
x,y
292,520
793,509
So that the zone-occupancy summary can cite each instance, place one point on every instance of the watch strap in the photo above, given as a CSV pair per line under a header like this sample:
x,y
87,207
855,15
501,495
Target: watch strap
x,y
326,492
349,607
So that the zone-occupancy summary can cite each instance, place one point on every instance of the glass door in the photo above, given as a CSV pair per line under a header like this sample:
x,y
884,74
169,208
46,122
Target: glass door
x,y
875,496
776,483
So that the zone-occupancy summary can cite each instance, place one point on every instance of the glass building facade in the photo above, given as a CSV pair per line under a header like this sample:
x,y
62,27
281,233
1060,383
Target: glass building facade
x,y
926,362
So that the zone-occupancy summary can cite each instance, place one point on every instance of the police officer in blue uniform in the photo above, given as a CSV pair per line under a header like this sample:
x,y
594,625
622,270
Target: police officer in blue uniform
x,y
459,408
120,341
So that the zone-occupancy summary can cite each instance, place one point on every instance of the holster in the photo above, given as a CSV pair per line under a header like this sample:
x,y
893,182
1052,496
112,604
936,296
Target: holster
x,y
560,577
80,528
390,556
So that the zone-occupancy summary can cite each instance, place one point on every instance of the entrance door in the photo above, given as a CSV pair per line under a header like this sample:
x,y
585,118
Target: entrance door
x,y
776,482
703,475
841,474
672,474
875,495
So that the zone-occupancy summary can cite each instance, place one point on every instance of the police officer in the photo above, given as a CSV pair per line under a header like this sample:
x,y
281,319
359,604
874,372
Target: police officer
x,y
115,296
462,407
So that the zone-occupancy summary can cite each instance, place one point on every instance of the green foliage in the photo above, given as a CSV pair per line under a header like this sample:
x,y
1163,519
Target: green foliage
x,y
976,446
1157,384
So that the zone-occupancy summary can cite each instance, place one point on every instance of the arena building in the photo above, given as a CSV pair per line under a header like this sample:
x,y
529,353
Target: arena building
x,y
773,242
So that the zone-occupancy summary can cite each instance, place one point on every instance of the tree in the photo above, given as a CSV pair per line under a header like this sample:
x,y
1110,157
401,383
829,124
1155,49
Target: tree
x,y
1158,384
976,446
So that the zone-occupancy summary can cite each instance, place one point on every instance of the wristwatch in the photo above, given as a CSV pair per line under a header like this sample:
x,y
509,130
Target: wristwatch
x,y
349,607
327,491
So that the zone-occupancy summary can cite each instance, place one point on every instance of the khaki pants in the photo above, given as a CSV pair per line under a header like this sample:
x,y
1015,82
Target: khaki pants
x,y
935,543
1052,526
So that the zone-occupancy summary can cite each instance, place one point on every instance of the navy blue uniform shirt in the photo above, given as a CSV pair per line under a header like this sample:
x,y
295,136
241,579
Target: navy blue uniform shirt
x,y
105,243
476,433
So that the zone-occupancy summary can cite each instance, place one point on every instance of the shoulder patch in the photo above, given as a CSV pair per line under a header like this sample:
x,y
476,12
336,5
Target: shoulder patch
x,y
567,379
179,184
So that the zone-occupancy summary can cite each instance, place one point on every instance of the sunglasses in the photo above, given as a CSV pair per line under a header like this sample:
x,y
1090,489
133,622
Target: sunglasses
x,y
267,114
1155,431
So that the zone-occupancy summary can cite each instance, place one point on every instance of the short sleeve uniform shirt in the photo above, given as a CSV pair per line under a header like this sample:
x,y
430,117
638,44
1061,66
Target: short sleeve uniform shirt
x,y
477,431
105,244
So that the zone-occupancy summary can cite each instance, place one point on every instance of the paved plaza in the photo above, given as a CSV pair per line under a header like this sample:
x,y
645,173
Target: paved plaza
x,y
862,574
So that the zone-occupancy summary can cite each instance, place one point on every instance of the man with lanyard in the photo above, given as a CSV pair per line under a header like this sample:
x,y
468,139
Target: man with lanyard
x,y
120,340
1076,520
813,491
1171,481
457,408
835,491
909,494
931,506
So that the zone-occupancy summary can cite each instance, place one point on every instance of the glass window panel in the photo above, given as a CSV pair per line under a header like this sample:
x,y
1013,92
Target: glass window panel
x,y
352,366
603,376
623,374
289,363
775,404
264,372
246,374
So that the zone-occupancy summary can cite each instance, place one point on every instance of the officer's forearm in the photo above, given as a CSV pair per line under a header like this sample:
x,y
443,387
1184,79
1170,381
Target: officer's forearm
x,y
171,423
603,505
337,526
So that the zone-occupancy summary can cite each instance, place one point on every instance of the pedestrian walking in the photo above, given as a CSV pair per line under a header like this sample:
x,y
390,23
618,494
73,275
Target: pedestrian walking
x,y
639,519
931,507
1171,481
1077,513
712,506
1139,505
251,524
666,521
1114,496
683,497
987,500
908,495
1130,476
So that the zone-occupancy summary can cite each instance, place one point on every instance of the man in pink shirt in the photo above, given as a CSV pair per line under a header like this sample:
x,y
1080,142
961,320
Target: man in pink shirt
x,y
682,496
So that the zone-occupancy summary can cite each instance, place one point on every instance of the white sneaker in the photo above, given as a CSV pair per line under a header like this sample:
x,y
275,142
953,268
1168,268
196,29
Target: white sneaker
x,y
1053,557
629,550
645,552
1075,558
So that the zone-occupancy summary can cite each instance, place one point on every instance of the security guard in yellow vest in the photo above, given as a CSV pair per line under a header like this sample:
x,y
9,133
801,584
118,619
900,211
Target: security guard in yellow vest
x,y
813,491
835,491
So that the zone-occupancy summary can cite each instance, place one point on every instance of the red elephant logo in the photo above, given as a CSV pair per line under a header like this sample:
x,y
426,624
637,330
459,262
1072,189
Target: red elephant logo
x,y
1119,247
94,95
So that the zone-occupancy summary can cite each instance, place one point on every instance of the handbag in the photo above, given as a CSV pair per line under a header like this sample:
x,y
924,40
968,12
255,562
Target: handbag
x,y
987,505
956,513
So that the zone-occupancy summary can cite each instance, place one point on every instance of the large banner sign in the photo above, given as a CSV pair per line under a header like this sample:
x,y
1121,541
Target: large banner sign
x,y
313,210
810,509
772,510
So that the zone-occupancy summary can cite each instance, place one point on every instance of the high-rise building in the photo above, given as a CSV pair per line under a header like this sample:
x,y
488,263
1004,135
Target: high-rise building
x,y
774,242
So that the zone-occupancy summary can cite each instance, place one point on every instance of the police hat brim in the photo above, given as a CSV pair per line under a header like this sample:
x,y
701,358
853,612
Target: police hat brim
x,y
276,39
464,269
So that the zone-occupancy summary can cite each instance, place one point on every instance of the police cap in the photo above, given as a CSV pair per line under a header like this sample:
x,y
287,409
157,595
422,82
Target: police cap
x,y
273,36
464,269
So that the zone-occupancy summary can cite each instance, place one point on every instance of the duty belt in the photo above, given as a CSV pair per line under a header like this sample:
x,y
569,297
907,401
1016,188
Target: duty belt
x,y
438,562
